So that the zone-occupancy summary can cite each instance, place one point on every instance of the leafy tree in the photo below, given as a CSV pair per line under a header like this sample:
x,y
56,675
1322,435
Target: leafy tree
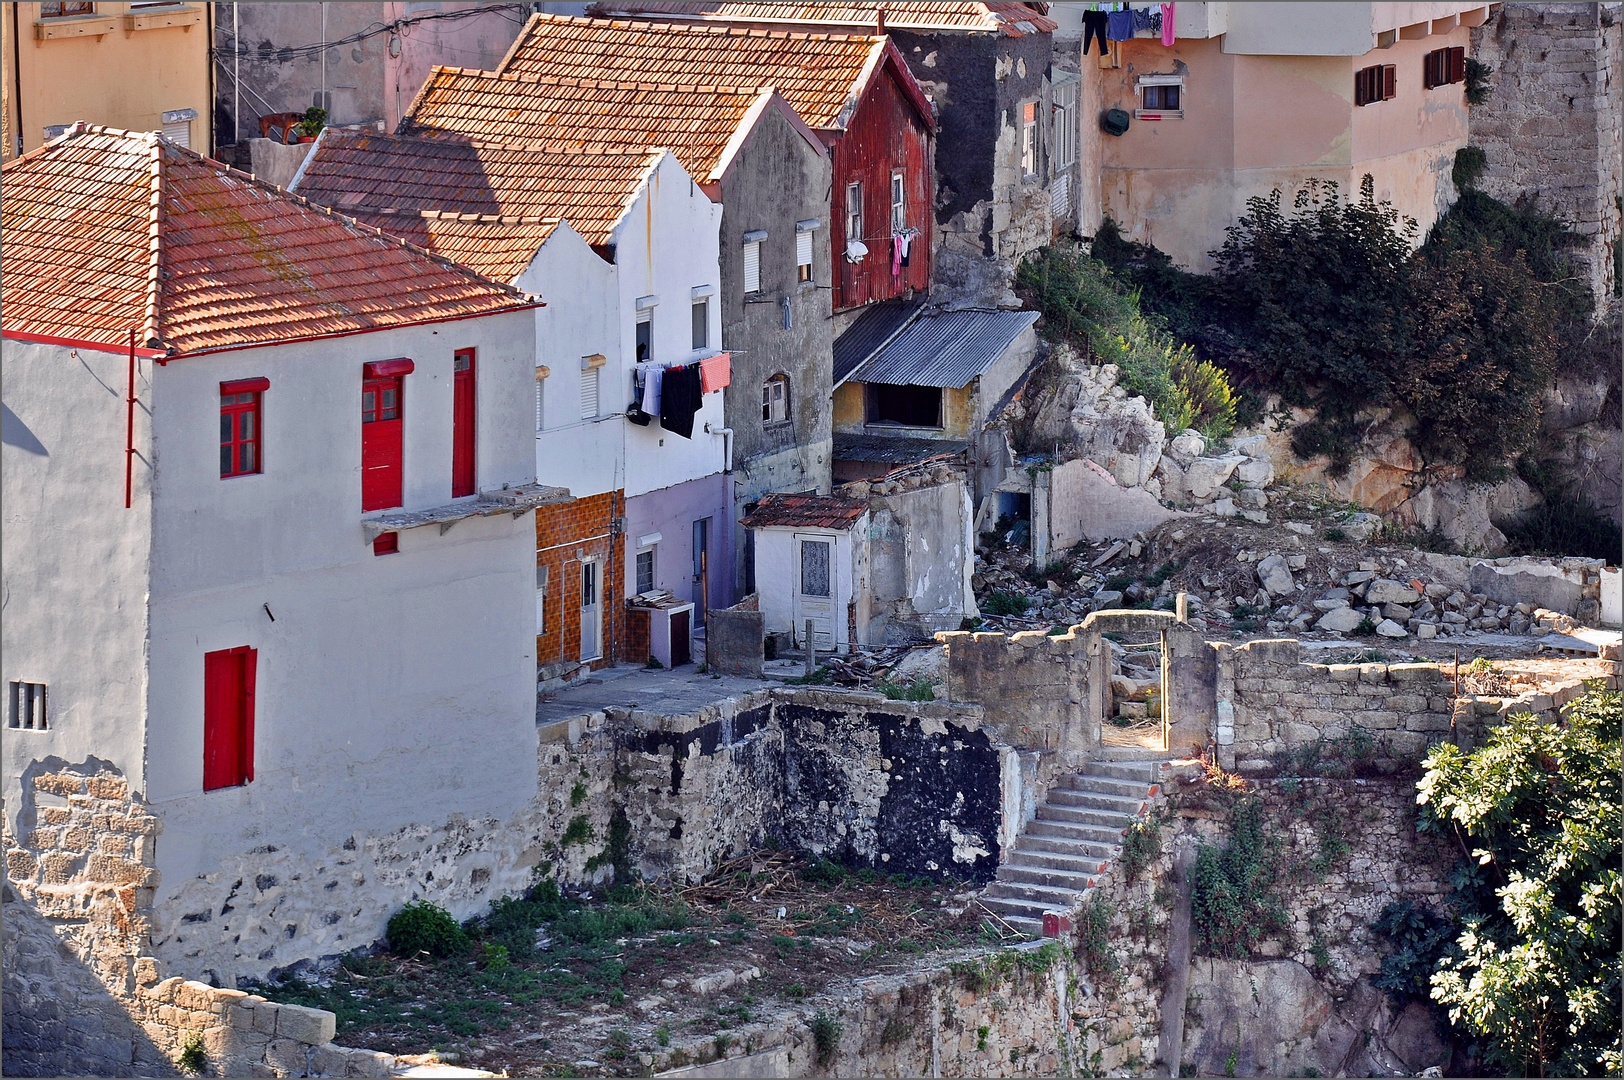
x,y
1537,807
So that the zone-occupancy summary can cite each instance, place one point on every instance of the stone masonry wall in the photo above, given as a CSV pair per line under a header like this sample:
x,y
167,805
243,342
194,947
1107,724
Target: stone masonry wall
x,y
1269,703
1551,128
82,995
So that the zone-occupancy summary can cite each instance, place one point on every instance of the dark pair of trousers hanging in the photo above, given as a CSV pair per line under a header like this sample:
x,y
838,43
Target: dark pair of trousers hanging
x,y
1094,26
679,399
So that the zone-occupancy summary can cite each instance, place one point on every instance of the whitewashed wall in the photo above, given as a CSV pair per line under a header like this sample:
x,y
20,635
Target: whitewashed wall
x,y
73,567
778,575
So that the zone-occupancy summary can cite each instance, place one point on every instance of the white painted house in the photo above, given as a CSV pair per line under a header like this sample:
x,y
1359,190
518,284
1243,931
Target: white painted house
x,y
812,567
630,237
269,492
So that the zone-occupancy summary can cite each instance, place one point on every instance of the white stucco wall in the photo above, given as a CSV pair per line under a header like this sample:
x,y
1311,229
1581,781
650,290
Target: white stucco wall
x,y
393,691
778,575
581,319
74,578
665,246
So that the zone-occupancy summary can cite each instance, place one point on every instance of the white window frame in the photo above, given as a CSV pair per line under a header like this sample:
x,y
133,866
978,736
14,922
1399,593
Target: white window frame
x,y
899,200
653,568
542,371
854,211
804,250
750,276
592,386
1029,140
1160,80
1065,125
775,411
700,311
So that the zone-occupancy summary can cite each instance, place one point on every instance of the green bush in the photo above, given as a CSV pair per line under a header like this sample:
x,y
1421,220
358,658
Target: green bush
x,y
194,1059
1234,904
920,689
1420,938
423,927
826,1032
1005,603
1540,810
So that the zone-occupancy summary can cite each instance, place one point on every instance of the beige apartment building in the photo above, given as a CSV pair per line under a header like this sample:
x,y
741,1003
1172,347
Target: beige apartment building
x,y
1251,97
141,66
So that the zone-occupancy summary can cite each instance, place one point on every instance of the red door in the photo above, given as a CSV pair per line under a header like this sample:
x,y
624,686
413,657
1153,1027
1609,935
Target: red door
x,y
462,424
228,717
381,443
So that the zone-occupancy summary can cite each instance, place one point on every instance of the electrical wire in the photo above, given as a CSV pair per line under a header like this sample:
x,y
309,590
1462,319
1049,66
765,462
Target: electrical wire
x,y
288,53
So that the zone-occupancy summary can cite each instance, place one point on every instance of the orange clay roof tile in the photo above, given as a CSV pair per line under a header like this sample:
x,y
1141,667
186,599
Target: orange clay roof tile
x,y
694,122
818,74
1011,19
106,230
414,187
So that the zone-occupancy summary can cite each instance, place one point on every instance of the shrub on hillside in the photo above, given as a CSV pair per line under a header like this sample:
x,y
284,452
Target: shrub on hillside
x,y
422,927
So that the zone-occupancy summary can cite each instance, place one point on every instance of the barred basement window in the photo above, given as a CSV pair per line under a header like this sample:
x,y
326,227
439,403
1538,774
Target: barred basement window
x,y
27,706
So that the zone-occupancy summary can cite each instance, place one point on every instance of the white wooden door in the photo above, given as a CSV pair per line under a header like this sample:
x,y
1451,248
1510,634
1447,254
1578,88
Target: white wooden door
x,y
591,610
814,590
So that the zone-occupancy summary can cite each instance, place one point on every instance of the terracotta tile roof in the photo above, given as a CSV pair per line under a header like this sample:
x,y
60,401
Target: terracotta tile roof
x,y
499,248
806,512
820,75
530,185
104,230
1007,18
693,122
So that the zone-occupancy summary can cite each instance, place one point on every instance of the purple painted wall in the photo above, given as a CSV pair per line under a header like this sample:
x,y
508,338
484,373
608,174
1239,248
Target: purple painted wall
x,y
671,512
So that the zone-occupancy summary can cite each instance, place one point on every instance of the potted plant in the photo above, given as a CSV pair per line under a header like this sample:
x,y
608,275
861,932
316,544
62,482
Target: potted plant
x,y
315,118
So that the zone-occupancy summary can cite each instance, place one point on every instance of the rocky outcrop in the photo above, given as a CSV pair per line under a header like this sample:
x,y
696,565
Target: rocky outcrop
x,y
1081,409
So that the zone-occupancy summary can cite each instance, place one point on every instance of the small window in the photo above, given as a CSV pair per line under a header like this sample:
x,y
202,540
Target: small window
x,y
815,567
1444,66
775,400
899,202
1065,125
1029,138
854,211
1373,84
645,570
701,324
645,339
589,393
386,544
752,266
803,255
239,431
541,398
1163,98
27,712
63,10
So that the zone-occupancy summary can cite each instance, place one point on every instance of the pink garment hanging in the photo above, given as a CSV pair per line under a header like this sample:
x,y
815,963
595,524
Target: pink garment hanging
x,y
1167,24
896,255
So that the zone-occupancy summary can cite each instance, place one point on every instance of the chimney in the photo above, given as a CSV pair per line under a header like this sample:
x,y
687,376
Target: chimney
x,y
880,19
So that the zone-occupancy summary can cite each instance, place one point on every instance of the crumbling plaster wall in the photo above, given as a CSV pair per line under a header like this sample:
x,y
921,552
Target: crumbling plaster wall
x,y
920,552
1552,127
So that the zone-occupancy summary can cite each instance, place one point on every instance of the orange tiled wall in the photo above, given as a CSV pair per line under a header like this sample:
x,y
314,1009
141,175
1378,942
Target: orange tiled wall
x,y
564,535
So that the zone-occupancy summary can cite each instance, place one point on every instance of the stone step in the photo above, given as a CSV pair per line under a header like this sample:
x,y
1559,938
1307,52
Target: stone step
x,y
1051,895
1105,785
1074,831
1025,917
1144,772
1019,874
1059,851
1127,807
1080,801
1083,815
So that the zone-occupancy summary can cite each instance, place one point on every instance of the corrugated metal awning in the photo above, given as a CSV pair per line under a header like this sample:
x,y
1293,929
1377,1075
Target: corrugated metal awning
x,y
873,328
946,349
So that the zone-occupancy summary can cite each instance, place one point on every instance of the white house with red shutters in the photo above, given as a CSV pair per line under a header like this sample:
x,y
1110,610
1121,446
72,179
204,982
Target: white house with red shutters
x,y
269,496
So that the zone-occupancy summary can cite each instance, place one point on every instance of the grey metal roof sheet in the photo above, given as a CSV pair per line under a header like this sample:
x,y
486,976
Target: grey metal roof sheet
x,y
872,329
892,449
946,349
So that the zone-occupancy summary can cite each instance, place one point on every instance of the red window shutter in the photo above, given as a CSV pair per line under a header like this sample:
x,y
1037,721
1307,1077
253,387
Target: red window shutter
x,y
1429,70
382,439
228,717
1389,81
1457,64
462,424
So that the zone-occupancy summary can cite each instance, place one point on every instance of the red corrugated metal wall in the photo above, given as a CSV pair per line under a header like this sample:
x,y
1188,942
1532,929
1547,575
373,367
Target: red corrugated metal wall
x,y
885,134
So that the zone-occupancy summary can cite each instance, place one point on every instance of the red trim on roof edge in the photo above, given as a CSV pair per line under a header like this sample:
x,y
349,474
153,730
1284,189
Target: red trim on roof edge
x,y
76,343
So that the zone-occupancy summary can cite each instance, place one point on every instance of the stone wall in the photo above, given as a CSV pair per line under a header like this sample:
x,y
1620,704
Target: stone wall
x,y
1270,704
735,639
81,994
1551,128
1038,692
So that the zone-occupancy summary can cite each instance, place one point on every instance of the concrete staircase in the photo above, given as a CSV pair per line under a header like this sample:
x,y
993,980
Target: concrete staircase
x,y
1074,837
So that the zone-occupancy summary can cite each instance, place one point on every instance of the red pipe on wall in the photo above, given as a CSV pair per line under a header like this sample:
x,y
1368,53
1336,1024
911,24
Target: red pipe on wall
x,y
129,426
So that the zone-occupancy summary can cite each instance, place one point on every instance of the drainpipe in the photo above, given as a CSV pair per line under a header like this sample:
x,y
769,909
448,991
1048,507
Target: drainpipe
x,y
236,80
17,75
727,444
129,426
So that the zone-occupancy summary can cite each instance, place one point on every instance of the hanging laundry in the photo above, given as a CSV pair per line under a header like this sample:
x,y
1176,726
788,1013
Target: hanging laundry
x,y
1119,25
1143,17
715,372
651,389
679,399
901,241
1167,24
1094,23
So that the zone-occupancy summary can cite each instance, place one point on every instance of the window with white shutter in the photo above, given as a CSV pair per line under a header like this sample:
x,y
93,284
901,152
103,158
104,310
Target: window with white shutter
x,y
752,259
589,394
179,133
803,256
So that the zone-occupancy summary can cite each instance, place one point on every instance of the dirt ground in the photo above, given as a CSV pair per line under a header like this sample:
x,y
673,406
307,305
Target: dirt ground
x,y
613,980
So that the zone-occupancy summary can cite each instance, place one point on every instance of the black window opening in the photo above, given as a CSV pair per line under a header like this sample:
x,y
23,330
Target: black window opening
x,y
645,339
1165,98
906,406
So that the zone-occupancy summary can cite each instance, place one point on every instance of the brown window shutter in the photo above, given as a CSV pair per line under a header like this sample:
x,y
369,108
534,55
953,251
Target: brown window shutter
x,y
1389,81
1457,64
